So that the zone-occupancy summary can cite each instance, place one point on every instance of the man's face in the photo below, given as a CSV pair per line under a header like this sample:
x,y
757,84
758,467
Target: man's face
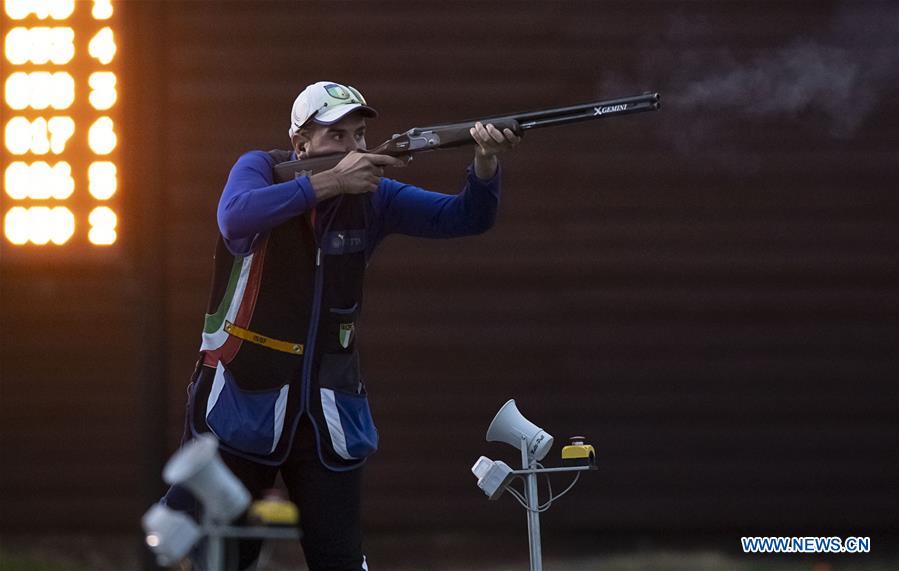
x,y
346,135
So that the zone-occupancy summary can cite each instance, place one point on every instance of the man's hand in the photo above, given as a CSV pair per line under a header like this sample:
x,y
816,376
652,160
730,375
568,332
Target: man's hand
x,y
490,142
356,173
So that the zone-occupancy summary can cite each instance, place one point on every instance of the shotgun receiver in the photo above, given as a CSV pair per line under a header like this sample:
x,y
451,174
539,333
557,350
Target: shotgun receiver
x,y
420,139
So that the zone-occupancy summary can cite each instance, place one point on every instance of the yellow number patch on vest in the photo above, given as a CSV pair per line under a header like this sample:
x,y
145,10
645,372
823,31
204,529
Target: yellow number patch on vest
x,y
252,337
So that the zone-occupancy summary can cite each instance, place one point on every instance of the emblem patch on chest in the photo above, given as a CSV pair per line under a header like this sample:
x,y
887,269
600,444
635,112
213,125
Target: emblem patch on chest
x,y
346,334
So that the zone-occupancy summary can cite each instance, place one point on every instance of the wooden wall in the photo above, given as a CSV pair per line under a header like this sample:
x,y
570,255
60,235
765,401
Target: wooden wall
x,y
707,293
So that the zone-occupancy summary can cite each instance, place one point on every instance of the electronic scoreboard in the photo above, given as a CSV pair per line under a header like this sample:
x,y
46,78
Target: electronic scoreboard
x,y
60,120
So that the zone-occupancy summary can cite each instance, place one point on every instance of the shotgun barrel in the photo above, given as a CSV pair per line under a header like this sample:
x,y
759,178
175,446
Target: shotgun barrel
x,y
450,135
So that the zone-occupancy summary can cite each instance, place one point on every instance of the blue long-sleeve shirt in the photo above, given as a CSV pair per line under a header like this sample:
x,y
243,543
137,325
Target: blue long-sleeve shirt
x,y
252,205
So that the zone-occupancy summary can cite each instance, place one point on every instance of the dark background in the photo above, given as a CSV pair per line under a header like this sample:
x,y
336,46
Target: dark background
x,y
708,293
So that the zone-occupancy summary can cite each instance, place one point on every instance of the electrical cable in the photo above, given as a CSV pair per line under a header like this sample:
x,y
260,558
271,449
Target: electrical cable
x,y
540,509
566,490
518,497
549,487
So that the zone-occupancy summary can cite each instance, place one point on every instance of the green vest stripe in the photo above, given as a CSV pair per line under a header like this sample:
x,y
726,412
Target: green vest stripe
x,y
214,321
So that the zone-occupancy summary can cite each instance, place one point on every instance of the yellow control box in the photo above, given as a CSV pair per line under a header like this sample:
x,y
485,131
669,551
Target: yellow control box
x,y
274,510
578,453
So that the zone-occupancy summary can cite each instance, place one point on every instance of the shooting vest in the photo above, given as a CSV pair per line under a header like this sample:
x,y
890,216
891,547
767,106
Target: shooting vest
x,y
279,339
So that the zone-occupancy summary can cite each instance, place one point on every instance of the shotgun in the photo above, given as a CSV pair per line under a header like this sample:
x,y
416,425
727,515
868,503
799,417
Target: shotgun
x,y
446,136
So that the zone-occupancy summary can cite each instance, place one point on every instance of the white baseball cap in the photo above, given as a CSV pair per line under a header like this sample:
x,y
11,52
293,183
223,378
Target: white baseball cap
x,y
326,103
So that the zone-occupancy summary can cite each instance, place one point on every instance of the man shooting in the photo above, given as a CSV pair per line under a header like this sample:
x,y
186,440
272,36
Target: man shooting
x,y
278,380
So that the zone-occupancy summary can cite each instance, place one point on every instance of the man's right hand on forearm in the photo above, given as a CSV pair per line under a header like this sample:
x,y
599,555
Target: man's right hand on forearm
x,y
356,173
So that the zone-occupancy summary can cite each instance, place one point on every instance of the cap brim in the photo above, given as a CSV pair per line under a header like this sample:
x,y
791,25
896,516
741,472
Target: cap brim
x,y
334,115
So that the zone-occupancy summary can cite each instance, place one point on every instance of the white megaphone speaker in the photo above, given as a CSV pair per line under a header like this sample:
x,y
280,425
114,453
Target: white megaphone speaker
x,y
510,426
169,534
199,468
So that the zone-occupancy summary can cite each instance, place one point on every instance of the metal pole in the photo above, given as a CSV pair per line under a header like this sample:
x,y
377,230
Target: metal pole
x,y
529,463
222,555
214,547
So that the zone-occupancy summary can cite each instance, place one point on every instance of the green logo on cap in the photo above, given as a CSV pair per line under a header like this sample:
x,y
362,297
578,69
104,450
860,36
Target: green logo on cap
x,y
337,91
347,94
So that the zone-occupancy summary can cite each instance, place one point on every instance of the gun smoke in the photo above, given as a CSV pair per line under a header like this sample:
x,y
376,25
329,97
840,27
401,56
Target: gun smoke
x,y
802,77
830,85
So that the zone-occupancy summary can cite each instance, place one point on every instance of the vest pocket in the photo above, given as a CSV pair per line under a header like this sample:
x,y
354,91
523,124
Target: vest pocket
x,y
345,406
350,425
248,421
340,371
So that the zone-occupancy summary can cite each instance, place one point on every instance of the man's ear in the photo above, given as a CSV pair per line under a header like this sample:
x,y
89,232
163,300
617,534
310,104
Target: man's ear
x,y
299,141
